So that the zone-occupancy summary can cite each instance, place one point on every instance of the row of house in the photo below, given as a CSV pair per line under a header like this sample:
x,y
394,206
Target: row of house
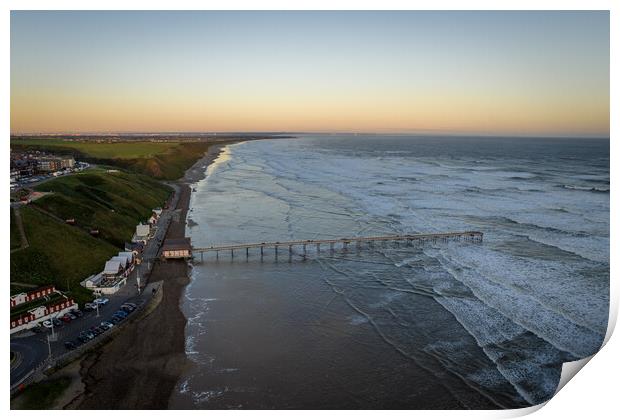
x,y
144,230
26,297
52,304
29,164
117,269
114,274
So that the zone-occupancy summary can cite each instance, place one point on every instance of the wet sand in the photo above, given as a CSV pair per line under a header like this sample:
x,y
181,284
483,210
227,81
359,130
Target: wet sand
x,y
140,367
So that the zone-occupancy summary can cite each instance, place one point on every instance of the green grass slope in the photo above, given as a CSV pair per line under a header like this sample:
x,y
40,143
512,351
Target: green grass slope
x,y
58,254
64,255
167,161
16,241
113,203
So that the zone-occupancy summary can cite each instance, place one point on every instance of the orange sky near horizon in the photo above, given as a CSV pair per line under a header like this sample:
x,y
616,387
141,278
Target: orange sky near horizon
x,y
410,72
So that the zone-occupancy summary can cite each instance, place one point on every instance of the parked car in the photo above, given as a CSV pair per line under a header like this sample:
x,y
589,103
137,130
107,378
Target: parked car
x,y
70,345
85,336
48,323
70,315
107,324
101,301
128,308
90,306
57,322
66,318
103,327
77,313
115,320
95,330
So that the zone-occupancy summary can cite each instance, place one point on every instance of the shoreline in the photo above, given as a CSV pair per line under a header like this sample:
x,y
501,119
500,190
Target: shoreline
x,y
140,367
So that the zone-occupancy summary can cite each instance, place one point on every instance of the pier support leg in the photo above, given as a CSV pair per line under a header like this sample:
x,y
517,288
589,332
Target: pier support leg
x,y
247,253
331,247
232,254
201,257
217,255
318,248
304,251
344,246
276,253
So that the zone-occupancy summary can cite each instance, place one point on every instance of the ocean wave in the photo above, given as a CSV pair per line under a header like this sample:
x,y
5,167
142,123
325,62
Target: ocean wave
x,y
584,188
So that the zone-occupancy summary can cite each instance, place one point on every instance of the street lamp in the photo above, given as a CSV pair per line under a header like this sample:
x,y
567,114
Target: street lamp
x,y
49,348
138,280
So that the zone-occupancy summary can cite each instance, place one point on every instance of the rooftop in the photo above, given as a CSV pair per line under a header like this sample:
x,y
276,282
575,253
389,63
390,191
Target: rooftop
x,y
177,244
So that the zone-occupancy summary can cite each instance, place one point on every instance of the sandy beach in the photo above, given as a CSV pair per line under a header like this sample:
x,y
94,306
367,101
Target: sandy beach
x,y
140,367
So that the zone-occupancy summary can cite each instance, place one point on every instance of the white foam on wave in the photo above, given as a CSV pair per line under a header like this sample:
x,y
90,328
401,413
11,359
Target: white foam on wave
x,y
555,303
523,305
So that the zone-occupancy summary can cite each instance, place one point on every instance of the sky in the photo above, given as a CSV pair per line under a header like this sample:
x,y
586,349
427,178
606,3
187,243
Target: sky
x,y
494,73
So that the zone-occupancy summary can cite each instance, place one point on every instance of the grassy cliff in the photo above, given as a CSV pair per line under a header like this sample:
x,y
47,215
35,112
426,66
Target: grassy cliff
x,y
58,254
63,254
113,203
166,161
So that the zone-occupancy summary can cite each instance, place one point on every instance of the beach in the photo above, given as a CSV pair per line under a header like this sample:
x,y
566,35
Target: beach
x,y
139,368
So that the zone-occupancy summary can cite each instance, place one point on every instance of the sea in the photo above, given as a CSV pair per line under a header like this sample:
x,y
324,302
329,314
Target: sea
x,y
456,325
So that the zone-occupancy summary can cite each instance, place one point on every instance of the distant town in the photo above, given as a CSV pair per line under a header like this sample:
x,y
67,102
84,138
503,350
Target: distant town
x,y
36,166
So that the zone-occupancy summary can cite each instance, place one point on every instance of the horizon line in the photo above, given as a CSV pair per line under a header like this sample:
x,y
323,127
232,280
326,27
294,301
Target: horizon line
x,y
322,132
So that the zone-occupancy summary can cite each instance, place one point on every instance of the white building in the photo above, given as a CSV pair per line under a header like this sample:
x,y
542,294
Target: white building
x,y
112,270
97,284
142,233
34,316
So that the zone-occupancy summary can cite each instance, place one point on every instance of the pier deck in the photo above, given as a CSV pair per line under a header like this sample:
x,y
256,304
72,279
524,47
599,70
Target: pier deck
x,y
471,236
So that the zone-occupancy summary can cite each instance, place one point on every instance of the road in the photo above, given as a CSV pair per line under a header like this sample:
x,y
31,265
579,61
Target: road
x,y
33,348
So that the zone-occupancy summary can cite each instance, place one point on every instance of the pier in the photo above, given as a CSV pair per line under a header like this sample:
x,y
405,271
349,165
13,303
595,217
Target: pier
x,y
345,243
